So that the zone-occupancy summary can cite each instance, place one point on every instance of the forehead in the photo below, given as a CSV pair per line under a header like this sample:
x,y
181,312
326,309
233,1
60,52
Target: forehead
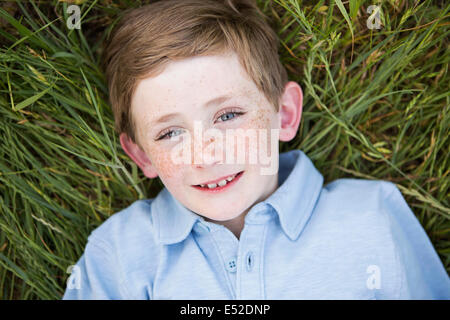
x,y
191,82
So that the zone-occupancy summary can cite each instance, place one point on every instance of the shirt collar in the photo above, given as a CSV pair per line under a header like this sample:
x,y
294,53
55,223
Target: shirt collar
x,y
300,184
173,221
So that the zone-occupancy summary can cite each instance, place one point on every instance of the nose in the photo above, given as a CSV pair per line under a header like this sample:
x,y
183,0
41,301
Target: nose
x,y
206,165
207,154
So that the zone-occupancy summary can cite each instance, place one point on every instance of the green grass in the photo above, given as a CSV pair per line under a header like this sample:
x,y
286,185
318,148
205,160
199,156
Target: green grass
x,y
376,106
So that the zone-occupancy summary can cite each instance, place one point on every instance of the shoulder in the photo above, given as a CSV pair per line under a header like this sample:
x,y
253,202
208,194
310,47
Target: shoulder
x,y
359,194
355,219
127,238
352,185
116,253
359,206
355,211
133,221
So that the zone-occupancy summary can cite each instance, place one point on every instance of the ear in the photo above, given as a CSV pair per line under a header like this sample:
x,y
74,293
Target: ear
x,y
290,110
138,156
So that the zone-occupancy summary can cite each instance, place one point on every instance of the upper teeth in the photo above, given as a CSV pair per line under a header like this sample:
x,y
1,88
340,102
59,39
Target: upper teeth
x,y
221,183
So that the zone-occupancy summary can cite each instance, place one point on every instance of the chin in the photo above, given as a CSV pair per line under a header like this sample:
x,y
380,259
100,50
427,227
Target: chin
x,y
225,216
222,218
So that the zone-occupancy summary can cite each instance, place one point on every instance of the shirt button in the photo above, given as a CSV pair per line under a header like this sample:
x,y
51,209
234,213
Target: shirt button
x,y
231,265
249,260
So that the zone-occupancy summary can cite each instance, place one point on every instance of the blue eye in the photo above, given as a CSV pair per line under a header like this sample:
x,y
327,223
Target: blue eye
x,y
169,134
226,117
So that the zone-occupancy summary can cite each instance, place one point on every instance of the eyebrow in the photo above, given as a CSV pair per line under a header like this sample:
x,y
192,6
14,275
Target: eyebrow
x,y
215,101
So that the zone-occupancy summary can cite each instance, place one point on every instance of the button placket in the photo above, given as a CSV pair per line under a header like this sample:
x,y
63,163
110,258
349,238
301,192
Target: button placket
x,y
250,268
220,249
227,245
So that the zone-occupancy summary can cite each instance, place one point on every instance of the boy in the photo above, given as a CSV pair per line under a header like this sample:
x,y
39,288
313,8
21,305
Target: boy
x,y
230,229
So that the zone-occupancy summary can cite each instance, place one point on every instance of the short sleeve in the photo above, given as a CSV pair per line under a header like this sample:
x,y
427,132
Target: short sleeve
x,y
95,276
421,272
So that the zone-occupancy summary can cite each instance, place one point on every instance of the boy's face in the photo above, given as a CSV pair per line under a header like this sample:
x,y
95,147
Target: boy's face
x,y
183,89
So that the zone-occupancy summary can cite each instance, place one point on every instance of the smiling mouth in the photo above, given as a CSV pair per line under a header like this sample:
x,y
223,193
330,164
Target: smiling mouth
x,y
220,184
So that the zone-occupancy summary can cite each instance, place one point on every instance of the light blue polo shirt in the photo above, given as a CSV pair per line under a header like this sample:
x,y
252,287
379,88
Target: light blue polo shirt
x,y
350,239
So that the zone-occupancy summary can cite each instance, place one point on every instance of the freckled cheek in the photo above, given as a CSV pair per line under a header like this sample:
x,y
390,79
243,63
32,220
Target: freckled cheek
x,y
162,161
261,123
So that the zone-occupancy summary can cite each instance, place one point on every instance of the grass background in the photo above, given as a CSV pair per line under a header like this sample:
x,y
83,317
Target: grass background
x,y
376,106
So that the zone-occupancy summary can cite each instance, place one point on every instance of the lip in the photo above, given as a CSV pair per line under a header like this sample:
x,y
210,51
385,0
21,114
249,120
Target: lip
x,y
217,180
219,189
